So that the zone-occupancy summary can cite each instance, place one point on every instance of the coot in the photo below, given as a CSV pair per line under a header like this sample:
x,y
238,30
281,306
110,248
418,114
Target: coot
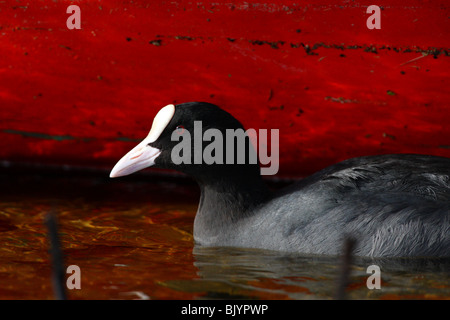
x,y
392,205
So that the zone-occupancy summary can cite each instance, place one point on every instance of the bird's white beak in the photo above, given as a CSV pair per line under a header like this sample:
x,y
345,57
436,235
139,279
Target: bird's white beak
x,y
140,157
143,156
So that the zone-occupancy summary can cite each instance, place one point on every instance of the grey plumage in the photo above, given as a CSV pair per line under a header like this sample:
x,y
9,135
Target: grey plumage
x,y
393,205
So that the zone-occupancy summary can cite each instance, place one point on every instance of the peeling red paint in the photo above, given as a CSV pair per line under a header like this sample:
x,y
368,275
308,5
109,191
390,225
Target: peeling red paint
x,y
103,84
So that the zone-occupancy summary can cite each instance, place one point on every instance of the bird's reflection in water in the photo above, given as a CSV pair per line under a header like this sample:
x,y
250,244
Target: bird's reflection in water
x,y
235,273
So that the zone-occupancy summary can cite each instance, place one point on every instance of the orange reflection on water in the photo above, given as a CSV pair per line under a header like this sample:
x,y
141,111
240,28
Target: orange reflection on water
x,y
126,247
132,239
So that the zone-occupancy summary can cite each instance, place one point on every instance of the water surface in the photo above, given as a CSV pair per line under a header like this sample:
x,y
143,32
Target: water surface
x,y
132,239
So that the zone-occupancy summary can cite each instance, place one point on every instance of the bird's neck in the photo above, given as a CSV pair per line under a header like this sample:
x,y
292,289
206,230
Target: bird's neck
x,y
224,201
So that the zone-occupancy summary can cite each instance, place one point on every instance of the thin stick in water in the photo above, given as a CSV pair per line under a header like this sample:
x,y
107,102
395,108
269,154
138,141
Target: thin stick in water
x,y
344,274
58,270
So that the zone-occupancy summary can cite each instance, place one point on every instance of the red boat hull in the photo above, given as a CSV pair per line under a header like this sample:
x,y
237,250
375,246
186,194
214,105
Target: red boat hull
x,y
333,87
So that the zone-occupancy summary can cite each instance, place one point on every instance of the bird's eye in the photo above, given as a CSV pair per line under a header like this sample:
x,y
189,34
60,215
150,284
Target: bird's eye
x,y
180,129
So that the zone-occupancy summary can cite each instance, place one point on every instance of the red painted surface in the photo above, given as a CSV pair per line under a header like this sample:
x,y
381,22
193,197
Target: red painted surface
x,y
334,88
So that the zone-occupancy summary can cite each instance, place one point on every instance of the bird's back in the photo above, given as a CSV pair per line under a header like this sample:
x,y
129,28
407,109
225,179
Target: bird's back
x,y
396,205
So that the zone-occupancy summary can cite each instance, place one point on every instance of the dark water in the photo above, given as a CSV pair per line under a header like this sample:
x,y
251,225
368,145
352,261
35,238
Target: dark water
x,y
132,239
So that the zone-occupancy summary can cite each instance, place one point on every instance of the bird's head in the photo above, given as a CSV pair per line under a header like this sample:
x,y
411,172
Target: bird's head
x,y
192,138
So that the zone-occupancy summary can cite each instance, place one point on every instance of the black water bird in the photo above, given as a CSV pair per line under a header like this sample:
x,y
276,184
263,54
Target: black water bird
x,y
392,205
